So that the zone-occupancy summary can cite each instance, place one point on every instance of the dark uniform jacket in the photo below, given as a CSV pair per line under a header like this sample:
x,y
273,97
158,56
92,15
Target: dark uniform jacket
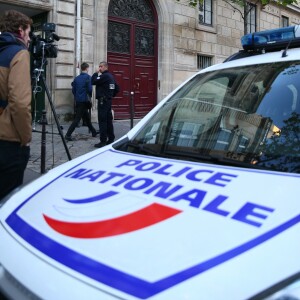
x,y
15,90
105,85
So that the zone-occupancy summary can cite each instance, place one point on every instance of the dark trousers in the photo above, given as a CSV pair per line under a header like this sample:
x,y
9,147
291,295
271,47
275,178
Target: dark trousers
x,y
105,120
81,112
13,162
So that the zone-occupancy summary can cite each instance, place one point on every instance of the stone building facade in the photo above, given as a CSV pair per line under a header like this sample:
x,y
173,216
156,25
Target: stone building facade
x,y
180,43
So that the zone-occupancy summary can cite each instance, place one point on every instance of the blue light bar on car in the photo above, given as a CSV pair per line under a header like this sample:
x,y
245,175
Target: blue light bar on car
x,y
272,39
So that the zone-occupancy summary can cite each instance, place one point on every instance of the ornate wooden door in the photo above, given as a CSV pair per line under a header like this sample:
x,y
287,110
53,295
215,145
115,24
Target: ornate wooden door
x,y
132,56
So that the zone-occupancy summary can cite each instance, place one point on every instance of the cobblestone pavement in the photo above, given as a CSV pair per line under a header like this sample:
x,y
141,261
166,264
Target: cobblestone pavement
x,y
56,152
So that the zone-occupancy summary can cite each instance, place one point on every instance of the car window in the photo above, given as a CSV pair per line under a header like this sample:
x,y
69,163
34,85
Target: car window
x,y
247,116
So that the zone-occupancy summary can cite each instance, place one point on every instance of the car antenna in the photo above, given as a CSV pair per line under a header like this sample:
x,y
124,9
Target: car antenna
x,y
284,53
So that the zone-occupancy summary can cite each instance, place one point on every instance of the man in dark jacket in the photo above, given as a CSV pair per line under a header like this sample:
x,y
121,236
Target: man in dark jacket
x,y
105,89
82,90
15,99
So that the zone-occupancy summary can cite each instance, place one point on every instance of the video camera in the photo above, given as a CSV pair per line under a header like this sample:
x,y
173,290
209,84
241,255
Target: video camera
x,y
42,46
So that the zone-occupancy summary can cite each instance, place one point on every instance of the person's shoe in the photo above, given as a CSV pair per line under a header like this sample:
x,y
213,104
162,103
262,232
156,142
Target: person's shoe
x,y
95,133
69,138
100,145
109,142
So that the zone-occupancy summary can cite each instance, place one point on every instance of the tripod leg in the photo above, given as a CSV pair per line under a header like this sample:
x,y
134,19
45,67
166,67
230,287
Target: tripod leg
x,y
43,143
55,117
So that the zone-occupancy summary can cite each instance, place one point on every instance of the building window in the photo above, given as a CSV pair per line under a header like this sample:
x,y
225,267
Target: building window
x,y
223,139
251,18
205,12
185,134
284,21
242,145
203,61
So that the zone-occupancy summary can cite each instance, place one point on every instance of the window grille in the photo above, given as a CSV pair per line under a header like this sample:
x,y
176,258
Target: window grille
x,y
203,61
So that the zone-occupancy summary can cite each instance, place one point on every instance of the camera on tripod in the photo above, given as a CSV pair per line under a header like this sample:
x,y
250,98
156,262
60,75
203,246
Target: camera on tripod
x,y
42,46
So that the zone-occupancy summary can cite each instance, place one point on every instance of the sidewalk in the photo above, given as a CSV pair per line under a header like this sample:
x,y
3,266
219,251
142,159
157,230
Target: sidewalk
x,y
55,151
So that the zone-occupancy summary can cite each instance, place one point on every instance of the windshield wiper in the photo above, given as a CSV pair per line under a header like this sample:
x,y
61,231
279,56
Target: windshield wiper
x,y
142,148
189,156
209,158
168,130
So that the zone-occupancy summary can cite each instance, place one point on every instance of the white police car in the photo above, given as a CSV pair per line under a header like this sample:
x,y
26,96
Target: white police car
x,y
201,200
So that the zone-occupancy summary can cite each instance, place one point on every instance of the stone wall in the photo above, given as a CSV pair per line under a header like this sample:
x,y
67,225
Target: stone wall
x,y
222,38
180,39
65,63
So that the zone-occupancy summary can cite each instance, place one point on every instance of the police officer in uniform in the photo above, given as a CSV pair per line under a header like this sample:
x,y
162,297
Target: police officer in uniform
x,y
105,89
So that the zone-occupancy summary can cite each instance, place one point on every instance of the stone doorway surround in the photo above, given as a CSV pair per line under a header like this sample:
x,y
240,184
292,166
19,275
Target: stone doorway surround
x,y
165,41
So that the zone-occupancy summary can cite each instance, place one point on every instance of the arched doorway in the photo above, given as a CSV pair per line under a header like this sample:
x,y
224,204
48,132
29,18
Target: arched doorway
x,y
132,55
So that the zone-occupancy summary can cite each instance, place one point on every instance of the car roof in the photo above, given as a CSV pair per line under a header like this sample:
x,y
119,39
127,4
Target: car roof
x,y
272,57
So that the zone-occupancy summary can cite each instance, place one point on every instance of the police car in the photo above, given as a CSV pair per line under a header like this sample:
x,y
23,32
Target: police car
x,y
200,200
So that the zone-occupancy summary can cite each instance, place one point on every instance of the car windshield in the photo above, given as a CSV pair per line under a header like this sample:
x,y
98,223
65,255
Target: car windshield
x,y
245,116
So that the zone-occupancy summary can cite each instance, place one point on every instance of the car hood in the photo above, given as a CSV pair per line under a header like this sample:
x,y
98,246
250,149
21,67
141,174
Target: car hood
x,y
142,227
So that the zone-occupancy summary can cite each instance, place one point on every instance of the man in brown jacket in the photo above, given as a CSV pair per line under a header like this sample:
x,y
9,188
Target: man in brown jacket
x,y
15,99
